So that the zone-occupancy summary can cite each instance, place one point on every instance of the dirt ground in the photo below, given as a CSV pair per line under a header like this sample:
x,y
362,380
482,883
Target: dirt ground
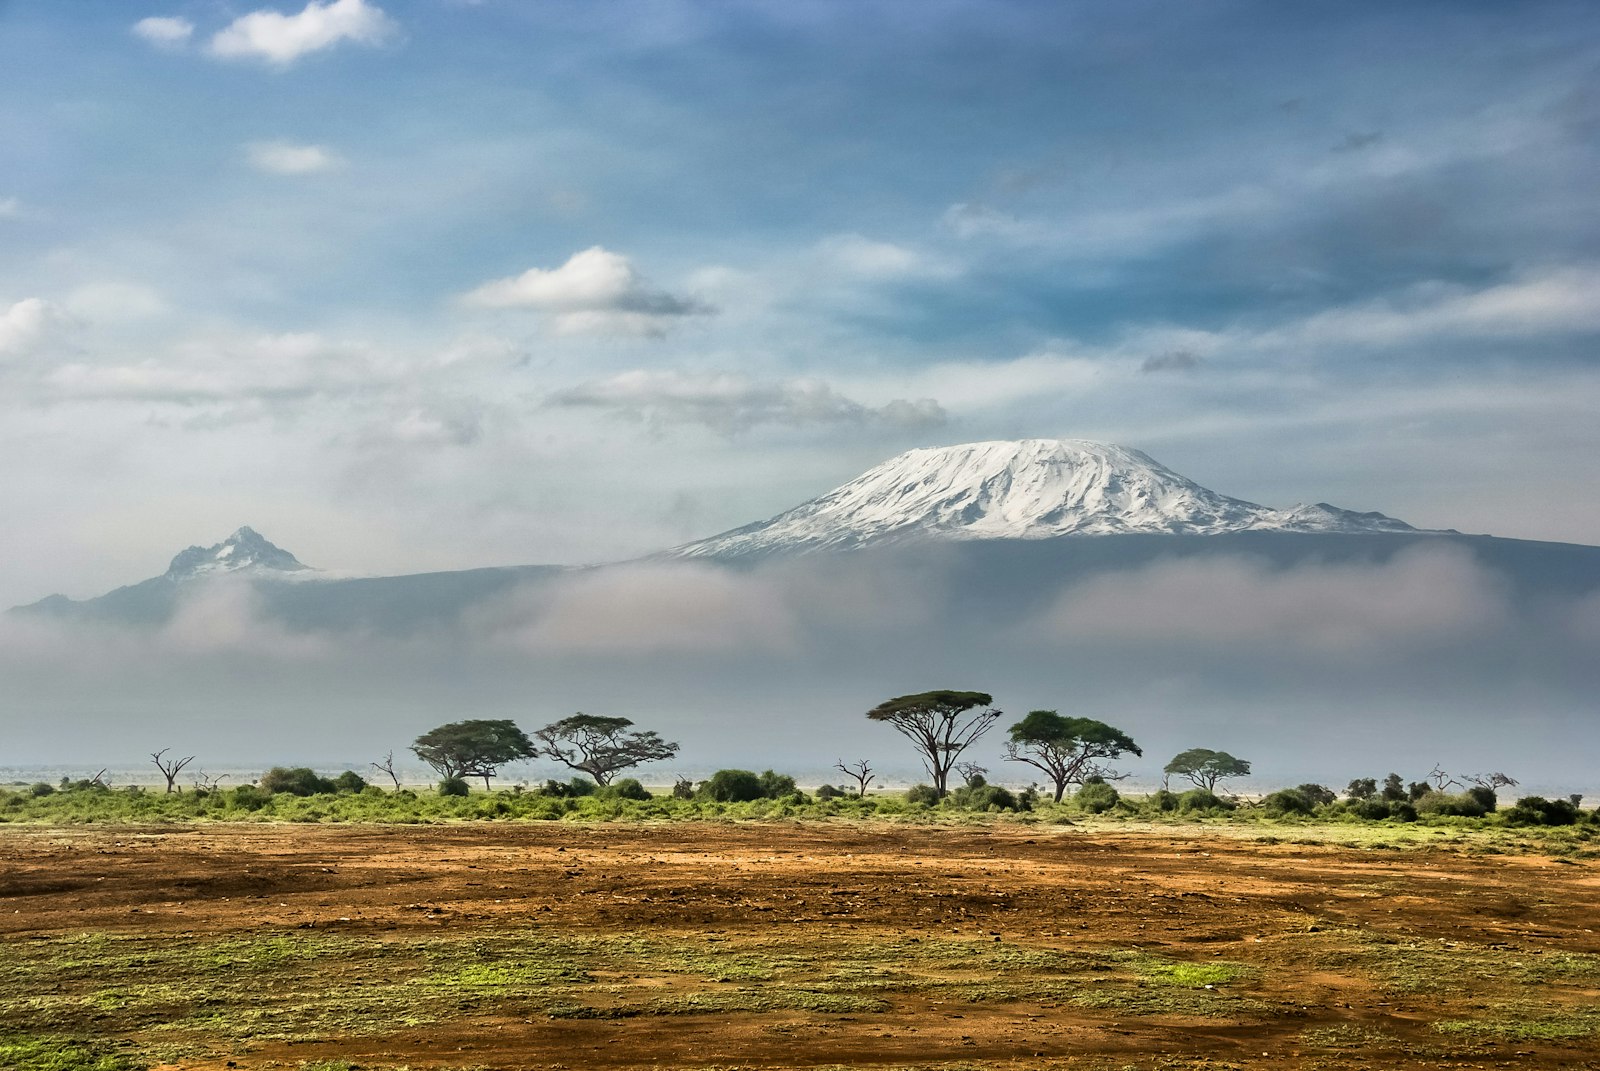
x,y
774,945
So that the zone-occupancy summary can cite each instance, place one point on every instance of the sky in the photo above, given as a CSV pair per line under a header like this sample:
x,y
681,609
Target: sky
x,y
429,284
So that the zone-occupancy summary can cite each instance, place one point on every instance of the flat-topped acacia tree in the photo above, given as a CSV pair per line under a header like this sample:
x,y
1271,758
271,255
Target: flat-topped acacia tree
x,y
1206,768
600,746
941,725
476,747
1068,750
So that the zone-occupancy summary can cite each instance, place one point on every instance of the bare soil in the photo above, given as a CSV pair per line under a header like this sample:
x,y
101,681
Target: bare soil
x,y
776,945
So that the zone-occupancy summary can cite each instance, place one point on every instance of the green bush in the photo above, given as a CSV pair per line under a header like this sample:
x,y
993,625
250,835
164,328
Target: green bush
x,y
1287,801
454,786
683,789
1201,799
248,798
732,786
1485,797
349,781
628,788
1538,811
1318,795
1163,800
578,786
1096,797
775,786
299,781
924,794
1444,803
983,797
39,789
829,792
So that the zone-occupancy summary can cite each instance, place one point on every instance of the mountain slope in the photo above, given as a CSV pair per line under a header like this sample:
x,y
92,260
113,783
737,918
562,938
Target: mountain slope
x,y
1031,489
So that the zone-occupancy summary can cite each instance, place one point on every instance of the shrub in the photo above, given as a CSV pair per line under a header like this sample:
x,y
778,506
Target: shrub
x,y
1318,795
775,786
578,786
1287,801
1164,800
248,798
349,781
628,788
300,781
1361,788
1403,811
983,797
732,786
454,786
924,794
829,792
1373,810
683,789
1538,811
1485,797
41,789
1200,799
1466,805
1096,797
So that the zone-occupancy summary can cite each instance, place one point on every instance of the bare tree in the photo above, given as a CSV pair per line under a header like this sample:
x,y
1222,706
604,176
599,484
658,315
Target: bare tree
x,y
861,771
971,773
100,779
204,782
387,766
170,768
1490,781
1440,779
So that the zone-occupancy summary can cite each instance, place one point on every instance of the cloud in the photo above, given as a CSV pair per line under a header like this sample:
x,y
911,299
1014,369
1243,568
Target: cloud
x,y
668,609
596,290
1552,301
1171,361
731,402
855,255
163,31
10,208
287,158
1424,597
25,324
115,301
280,40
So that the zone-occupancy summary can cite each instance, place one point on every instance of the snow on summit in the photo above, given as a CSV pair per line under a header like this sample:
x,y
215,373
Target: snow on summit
x,y
1030,489
244,551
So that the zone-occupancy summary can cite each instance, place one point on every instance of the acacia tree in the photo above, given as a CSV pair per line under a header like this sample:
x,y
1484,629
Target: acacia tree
x,y
1068,750
473,748
941,725
1206,767
170,768
600,746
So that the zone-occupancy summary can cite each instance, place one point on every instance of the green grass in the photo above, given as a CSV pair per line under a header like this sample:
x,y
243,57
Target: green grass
x,y
59,1054
1526,1022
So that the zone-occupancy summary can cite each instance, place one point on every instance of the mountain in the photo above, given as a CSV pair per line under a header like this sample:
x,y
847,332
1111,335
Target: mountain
x,y
245,551
1032,489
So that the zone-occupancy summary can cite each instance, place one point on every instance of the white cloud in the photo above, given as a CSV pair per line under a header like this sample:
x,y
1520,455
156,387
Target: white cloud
x,y
596,290
10,208
856,255
164,32
108,301
287,158
281,39
730,402
25,324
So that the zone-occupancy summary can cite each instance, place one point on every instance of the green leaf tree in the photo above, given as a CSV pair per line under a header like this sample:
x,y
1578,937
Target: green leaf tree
x,y
1206,767
600,746
1068,750
473,748
941,725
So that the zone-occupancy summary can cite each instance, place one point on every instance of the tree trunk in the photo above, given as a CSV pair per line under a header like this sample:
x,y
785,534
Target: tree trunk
x,y
1061,790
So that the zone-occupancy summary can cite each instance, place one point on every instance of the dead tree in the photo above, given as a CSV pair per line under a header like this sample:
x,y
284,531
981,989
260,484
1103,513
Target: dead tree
x,y
170,768
861,771
1440,779
204,782
387,766
1491,781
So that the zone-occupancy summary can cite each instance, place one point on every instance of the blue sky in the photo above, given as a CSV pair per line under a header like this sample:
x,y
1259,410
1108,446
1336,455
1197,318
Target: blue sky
x,y
431,284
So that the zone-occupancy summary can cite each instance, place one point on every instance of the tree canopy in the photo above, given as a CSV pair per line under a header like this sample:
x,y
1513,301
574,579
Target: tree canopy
x,y
941,725
600,746
1068,750
473,748
1206,767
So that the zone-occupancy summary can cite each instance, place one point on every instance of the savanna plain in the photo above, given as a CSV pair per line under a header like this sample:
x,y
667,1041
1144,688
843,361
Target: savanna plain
x,y
1087,942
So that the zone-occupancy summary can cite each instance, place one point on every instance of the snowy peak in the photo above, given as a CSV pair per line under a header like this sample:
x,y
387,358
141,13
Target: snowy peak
x,y
1031,489
244,551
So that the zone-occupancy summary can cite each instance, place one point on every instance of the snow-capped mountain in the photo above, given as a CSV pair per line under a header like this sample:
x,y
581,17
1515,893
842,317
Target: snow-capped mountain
x,y
245,551
1031,489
